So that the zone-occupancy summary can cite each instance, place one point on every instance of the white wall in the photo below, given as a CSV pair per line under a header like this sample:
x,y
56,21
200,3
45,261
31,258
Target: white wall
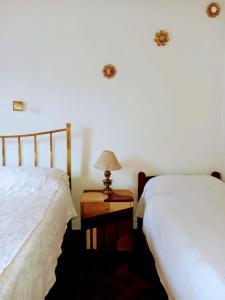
x,y
161,113
222,129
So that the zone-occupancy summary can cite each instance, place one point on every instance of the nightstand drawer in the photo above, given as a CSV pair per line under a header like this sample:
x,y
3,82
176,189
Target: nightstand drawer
x,y
114,206
92,209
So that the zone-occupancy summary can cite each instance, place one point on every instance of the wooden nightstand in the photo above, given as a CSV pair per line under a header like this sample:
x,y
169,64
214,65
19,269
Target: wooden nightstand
x,y
107,221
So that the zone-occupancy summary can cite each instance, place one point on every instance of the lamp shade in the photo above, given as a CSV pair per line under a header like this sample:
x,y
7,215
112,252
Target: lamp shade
x,y
107,162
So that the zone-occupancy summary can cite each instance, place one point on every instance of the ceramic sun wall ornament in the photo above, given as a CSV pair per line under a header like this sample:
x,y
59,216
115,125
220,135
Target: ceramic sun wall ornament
x,y
162,38
109,71
213,10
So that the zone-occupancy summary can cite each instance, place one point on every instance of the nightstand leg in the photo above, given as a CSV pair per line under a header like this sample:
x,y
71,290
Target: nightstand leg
x,y
94,238
88,239
91,239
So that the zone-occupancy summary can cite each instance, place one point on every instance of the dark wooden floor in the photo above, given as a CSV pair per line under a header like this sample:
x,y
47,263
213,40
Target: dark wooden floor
x,y
108,276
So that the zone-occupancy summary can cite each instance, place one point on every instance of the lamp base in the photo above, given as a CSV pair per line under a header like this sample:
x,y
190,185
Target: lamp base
x,y
107,182
107,191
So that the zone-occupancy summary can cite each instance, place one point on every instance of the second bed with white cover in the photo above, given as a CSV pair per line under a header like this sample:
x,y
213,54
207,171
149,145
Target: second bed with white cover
x,y
184,225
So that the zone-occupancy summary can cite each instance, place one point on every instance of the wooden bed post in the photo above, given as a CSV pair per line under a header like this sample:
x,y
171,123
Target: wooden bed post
x,y
141,183
68,150
216,174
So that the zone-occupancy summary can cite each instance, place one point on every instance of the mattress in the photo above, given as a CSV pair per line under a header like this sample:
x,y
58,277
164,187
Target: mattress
x,y
184,225
31,234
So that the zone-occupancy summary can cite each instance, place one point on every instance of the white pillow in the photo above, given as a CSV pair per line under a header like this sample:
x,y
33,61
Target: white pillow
x,y
178,184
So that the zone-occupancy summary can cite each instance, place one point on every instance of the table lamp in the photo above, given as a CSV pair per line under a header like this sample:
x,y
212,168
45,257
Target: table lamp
x,y
107,162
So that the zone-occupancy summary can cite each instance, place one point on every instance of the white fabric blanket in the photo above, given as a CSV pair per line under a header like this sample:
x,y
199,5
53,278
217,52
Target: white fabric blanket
x,y
25,193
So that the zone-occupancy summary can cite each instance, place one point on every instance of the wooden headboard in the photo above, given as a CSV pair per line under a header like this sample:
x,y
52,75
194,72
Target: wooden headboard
x,y
142,179
50,133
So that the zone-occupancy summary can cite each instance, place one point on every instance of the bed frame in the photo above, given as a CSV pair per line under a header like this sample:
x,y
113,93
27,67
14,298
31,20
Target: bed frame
x,y
142,180
35,135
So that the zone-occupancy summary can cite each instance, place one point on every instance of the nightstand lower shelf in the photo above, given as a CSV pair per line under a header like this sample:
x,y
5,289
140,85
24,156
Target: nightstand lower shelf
x,y
109,234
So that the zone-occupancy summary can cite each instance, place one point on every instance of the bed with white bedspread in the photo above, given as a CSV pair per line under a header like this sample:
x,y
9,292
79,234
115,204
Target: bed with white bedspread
x,y
35,207
184,225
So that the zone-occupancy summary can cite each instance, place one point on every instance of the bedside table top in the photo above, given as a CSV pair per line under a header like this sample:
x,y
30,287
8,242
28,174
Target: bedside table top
x,y
118,195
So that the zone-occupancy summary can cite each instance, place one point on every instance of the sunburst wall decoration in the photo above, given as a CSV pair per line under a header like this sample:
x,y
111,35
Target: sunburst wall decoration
x,y
162,38
109,71
213,10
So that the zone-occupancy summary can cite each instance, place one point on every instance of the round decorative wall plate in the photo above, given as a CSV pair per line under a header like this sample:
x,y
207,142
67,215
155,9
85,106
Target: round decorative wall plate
x,y
109,71
162,38
213,10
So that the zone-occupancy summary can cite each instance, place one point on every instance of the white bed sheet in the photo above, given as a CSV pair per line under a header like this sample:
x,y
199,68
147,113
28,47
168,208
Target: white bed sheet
x,y
30,273
184,225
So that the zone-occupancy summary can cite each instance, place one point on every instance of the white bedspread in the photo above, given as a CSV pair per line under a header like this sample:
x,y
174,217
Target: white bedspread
x,y
184,224
35,206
